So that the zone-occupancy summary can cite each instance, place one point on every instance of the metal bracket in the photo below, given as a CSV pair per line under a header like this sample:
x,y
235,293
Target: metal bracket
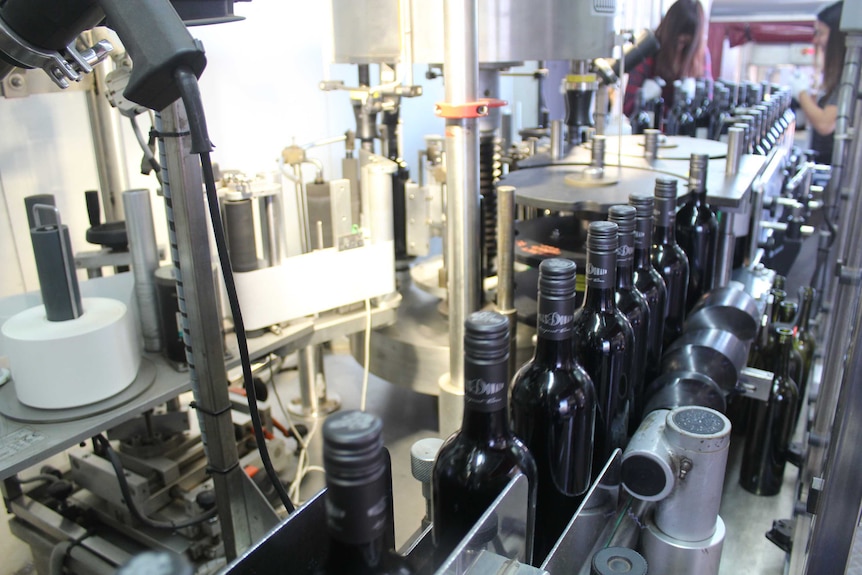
x,y
756,383
847,275
477,109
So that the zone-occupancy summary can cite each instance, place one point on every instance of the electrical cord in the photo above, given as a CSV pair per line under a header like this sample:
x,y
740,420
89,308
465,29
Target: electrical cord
x,y
190,93
104,446
149,157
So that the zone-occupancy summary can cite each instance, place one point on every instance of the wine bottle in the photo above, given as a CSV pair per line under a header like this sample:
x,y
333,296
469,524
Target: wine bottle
x,y
553,408
720,113
669,259
603,341
697,232
702,107
477,462
680,121
358,498
770,427
787,313
804,341
649,282
633,304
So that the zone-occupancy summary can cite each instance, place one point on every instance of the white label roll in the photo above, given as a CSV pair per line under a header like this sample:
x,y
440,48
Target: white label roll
x,y
59,365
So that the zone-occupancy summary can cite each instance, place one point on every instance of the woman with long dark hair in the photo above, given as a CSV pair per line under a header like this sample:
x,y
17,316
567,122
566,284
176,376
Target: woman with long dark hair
x,y
821,108
682,37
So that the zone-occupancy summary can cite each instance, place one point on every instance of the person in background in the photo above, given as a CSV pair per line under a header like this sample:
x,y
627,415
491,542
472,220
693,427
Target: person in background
x,y
682,37
821,107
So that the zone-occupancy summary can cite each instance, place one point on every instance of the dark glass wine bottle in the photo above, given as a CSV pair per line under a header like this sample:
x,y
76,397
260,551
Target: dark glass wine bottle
x,y
669,259
770,427
702,107
358,498
478,461
719,118
697,232
680,121
804,341
787,313
553,408
603,342
633,304
649,282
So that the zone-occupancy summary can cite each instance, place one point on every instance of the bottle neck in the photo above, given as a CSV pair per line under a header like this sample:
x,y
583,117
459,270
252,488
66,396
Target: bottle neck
x,y
485,394
805,312
782,357
601,281
625,262
643,242
554,330
664,233
357,515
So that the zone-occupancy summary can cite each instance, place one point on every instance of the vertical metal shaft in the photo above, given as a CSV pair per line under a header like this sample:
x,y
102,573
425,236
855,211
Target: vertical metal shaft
x,y
726,244
107,141
145,262
557,140
307,365
506,267
462,182
202,328
735,144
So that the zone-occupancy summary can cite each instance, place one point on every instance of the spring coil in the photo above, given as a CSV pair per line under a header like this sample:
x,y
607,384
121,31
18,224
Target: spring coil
x,y
490,169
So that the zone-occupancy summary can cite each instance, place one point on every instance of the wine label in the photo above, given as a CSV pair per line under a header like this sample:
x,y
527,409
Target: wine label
x,y
555,317
626,251
485,386
641,237
357,514
601,268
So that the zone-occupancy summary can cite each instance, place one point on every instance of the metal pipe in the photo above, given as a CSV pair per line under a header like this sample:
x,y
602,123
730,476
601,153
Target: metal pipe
x,y
735,144
145,261
272,232
107,139
557,141
506,267
462,182
726,245
306,361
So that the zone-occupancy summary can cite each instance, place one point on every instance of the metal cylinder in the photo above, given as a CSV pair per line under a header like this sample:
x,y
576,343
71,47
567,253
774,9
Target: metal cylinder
x,y
726,245
700,440
677,458
557,140
462,182
735,147
666,554
598,151
506,268
307,361
651,144
145,261
55,267
377,204
271,230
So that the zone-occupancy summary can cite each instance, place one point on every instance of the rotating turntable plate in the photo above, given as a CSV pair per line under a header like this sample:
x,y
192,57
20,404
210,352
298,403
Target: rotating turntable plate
x,y
669,147
558,188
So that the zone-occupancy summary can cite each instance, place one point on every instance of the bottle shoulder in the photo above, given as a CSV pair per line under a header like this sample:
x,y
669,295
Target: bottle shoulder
x,y
471,463
537,384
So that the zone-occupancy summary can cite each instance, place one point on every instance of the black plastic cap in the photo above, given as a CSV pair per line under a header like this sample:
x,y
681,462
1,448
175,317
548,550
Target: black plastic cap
x,y
557,278
643,204
353,445
624,217
486,336
665,188
602,237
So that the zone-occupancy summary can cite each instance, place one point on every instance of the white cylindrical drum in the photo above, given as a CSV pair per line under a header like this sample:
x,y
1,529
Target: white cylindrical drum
x,y
60,365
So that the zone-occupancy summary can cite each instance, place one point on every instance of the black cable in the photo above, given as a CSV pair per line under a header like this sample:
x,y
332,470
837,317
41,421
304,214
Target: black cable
x,y
105,446
188,85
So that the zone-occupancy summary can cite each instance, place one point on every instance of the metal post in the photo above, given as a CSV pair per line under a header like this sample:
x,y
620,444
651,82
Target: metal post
x,y
462,181
107,142
145,262
735,145
242,519
557,140
506,267
726,245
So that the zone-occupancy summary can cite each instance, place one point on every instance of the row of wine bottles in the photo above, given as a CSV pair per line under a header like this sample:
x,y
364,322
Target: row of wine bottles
x,y
784,345
581,395
577,399
763,108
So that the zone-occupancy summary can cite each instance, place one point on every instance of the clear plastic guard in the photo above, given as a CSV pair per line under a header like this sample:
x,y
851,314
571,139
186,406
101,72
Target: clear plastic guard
x,y
598,514
497,542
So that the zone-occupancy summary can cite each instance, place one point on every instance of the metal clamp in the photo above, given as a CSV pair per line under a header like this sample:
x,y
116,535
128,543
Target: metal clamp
x,y
58,68
847,275
477,109
756,383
